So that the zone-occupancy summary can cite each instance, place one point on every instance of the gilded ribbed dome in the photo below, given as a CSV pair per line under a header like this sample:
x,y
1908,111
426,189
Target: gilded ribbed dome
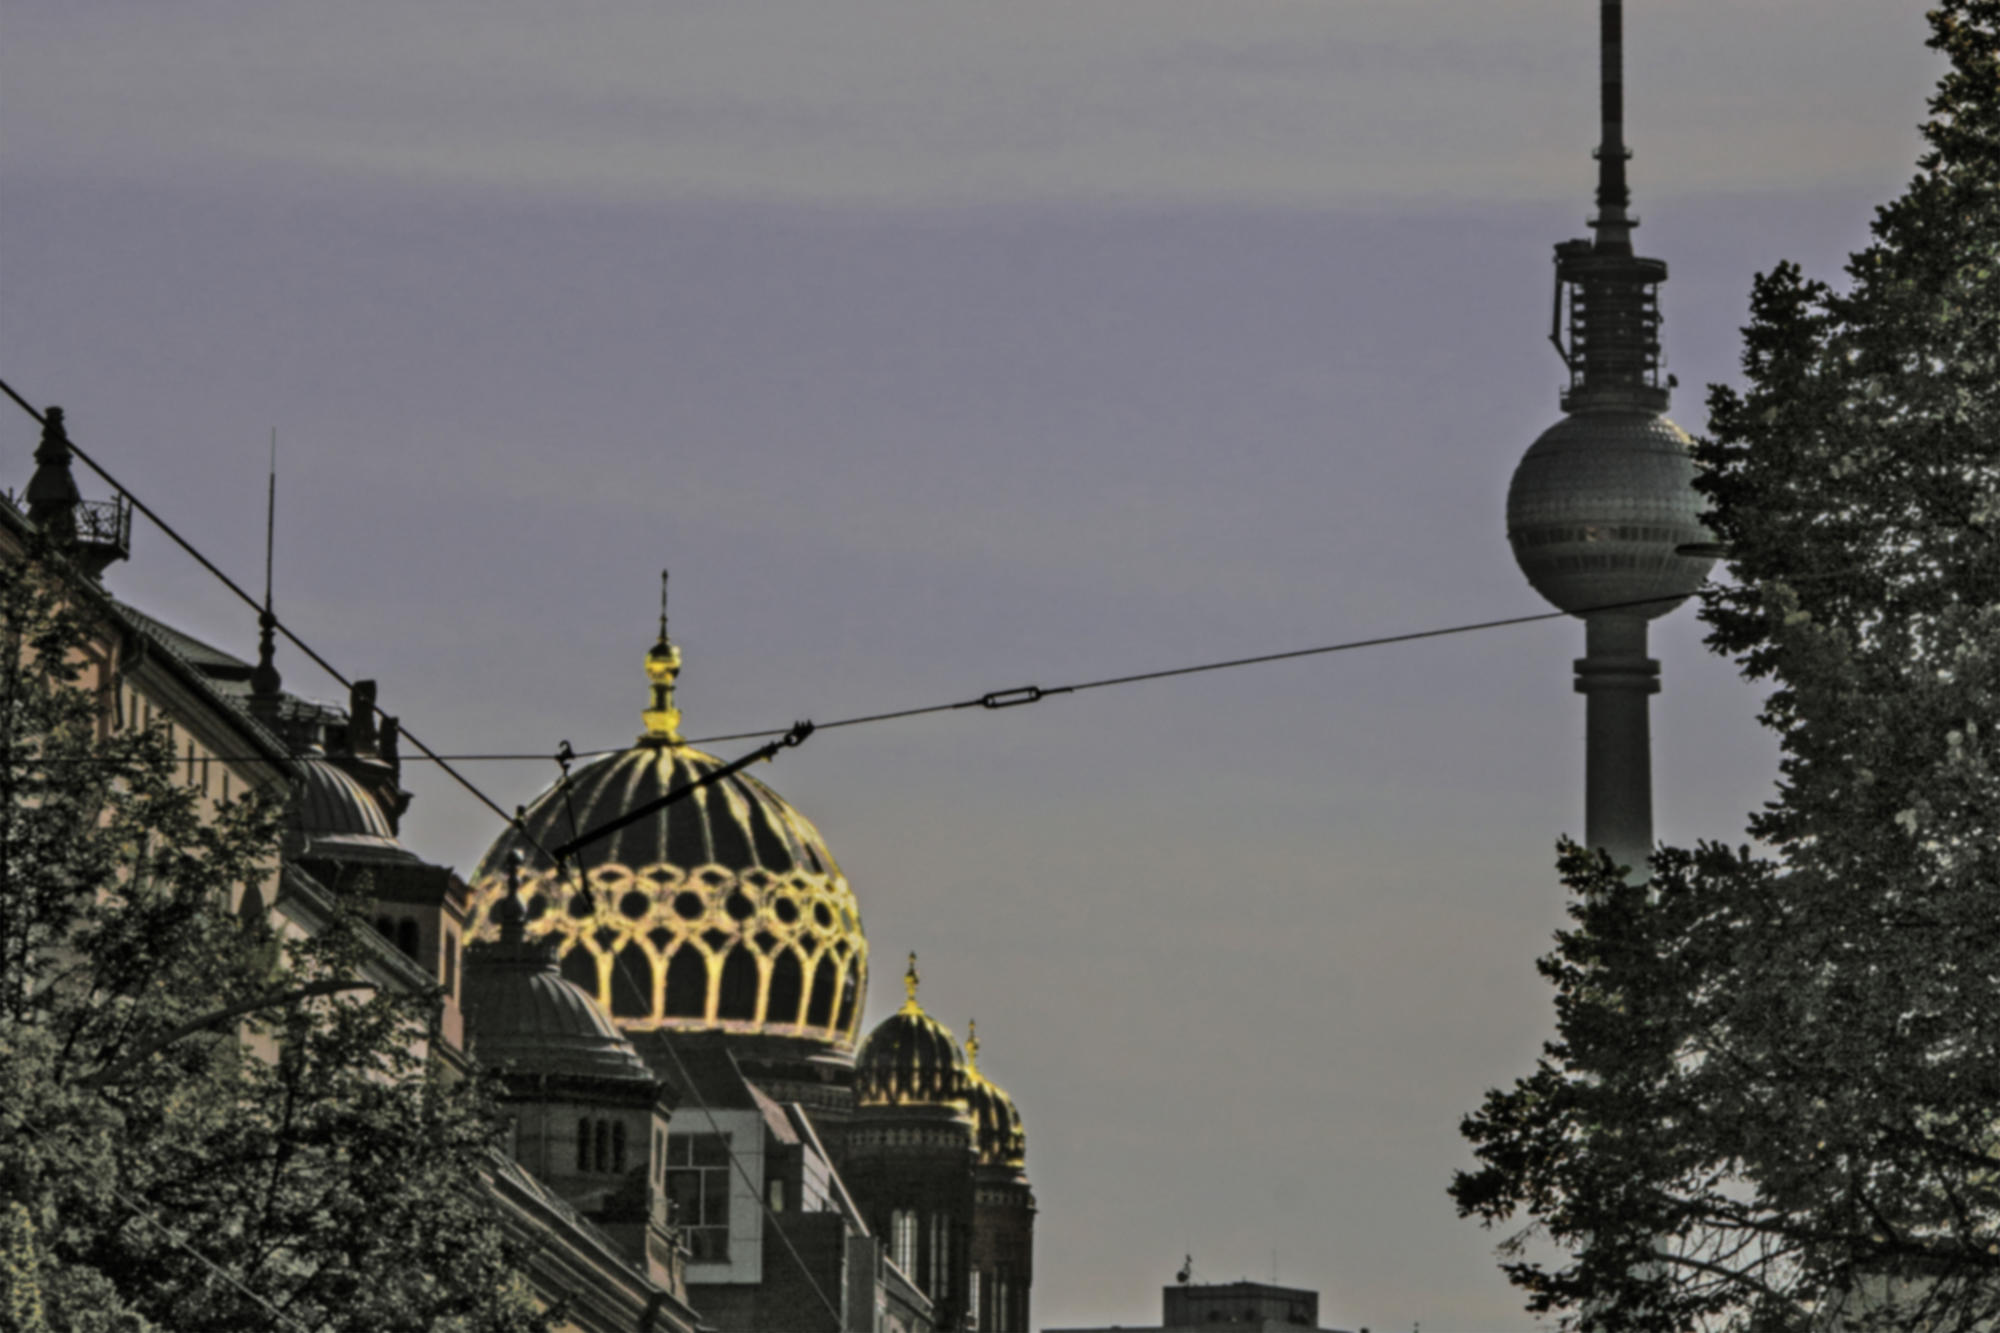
x,y
721,911
1002,1141
911,1059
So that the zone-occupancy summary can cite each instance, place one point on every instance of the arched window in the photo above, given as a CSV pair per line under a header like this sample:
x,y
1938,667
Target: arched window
x,y
787,989
940,1265
251,910
407,937
687,983
631,984
618,1147
579,967
903,1241
603,1134
739,985
819,1011
850,992
583,1143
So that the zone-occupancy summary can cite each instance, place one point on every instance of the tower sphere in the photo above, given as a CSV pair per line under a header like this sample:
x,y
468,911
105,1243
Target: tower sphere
x,y
1597,507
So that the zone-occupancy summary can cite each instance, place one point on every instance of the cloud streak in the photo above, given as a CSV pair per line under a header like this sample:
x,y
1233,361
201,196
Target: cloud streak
x,y
884,103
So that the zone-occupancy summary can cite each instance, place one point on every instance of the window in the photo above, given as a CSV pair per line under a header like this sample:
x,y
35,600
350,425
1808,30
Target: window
x,y
407,937
776,1194
451,965
940,1268
687,984
603,1154
618,1146
738,992
583,1144
972,1300
903,1240
787,989
698,1187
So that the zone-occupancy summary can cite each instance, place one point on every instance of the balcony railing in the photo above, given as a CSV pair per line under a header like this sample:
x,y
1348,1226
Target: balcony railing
x,y
105,525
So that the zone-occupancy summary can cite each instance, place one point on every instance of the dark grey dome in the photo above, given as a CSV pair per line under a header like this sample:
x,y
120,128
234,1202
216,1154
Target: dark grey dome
x,y
521,1015
1597,508
339,817
332,803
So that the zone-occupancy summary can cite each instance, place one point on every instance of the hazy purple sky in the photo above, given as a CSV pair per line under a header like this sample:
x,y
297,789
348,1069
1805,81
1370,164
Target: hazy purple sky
x,y
940,348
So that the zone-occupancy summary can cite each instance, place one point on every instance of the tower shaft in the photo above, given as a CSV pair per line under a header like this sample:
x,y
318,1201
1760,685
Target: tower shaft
x,y
1617,680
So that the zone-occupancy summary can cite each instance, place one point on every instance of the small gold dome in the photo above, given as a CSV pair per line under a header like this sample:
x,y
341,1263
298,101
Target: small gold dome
x,y
1002,1141
911,1059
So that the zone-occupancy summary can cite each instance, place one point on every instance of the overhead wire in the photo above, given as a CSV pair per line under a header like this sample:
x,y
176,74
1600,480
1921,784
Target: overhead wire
x,y
995,700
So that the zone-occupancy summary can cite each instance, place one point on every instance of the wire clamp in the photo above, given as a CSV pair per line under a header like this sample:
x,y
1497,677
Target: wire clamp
x,y
797,735
1014,698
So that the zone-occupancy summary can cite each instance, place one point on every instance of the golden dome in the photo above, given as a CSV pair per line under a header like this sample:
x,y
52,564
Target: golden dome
x,y
724,911
911,1059
1002,1141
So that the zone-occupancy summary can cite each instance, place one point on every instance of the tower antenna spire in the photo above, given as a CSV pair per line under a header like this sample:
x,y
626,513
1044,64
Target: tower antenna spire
x,y
1614,196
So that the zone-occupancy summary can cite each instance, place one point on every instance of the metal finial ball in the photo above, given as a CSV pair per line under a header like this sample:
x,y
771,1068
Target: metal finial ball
x,y
1597,509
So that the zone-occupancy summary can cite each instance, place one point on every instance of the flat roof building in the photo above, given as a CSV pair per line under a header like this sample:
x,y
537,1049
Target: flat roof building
x,y
1263,1306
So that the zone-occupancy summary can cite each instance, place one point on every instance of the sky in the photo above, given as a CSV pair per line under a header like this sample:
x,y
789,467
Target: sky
x,y
944,348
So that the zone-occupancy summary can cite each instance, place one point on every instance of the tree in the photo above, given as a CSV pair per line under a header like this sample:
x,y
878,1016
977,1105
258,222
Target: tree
x,y
154,1174
1773,1102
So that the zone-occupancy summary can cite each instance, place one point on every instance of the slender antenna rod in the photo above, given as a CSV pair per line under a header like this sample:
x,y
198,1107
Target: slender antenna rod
x,y
270,518
1614,228
265,682
663,606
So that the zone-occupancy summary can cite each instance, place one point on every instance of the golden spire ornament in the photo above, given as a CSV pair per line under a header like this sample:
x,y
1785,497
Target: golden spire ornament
x,y
663,669
910,979
972,1044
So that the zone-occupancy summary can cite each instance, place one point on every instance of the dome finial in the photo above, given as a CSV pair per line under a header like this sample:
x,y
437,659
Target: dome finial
x,y
512,911
910,979
265,682
663,668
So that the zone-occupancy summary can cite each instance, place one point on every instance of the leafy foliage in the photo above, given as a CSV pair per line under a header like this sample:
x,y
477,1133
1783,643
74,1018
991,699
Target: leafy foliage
x,y
1774,1102
332,1185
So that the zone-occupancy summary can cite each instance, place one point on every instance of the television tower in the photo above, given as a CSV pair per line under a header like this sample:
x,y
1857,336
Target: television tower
x,y
1602,505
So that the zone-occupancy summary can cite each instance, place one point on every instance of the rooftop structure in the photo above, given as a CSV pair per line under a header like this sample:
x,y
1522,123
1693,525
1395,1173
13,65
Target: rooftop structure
x,y
1196,1307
